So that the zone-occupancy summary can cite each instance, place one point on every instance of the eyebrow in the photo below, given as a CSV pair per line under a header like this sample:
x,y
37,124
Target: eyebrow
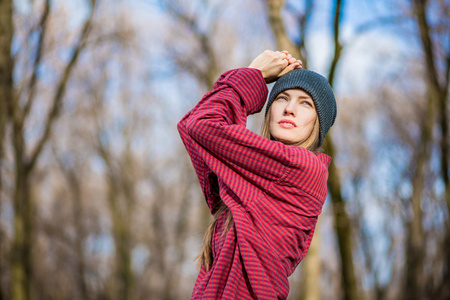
x,y
303,97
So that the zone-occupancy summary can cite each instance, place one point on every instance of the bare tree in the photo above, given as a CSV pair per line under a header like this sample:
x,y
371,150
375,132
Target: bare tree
x,y
436,98
342,221
76,187
25,156
6,93
202,64
6,69
114,174
199,59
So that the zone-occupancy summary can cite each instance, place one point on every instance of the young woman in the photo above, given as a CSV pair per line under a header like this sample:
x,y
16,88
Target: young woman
x,y
265,192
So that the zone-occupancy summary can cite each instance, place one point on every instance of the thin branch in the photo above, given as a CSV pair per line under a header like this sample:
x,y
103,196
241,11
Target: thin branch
x,y
424,30
447,77
57,100
37,61
337,45
302,24
208,74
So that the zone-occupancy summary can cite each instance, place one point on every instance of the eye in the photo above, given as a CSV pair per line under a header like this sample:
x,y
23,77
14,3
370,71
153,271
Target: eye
x,y
281,98
307,103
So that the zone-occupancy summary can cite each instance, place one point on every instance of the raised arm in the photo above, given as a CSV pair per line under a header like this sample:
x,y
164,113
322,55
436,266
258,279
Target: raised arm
x,y
218,142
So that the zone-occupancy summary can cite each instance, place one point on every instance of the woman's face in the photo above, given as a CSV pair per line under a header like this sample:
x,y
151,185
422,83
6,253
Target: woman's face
x,y
292,116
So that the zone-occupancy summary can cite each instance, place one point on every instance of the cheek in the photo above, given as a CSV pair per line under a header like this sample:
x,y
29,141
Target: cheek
x,y
271,125
273,113
309,117
274,110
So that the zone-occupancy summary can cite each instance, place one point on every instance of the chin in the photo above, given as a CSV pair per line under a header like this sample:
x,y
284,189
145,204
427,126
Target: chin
x,y
286,140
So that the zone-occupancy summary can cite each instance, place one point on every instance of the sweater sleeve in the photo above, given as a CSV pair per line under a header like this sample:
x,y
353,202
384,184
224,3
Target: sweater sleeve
x,y
218,142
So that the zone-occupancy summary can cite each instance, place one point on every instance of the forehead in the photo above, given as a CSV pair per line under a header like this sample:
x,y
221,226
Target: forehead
x,y
296,93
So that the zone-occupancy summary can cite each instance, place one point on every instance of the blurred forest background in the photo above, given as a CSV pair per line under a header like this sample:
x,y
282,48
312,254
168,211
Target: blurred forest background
x,y
98,199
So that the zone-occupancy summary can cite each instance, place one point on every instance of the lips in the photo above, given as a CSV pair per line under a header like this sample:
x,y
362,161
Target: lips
x,y
287,123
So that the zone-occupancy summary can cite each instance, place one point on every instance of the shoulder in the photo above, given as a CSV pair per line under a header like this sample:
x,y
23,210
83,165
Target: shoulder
x,y
308,172
303,158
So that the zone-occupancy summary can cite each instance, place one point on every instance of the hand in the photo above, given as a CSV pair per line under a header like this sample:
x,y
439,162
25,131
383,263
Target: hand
x,y
274,64
292,60
293,64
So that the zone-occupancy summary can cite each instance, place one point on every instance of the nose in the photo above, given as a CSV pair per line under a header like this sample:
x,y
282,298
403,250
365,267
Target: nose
x,y
289,109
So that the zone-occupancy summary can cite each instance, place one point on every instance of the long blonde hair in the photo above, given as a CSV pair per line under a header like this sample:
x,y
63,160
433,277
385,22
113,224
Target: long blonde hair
x,y
205,258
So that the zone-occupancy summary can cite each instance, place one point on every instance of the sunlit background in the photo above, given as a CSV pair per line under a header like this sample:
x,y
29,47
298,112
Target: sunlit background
x,y
98,198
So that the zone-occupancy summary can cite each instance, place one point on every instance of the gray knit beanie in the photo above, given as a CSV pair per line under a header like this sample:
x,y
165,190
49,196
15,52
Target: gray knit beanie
x,y
319,89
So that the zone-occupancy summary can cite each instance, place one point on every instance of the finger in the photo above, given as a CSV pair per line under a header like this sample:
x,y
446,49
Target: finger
x,y
282,55
296,62
287,70
290,67
269,53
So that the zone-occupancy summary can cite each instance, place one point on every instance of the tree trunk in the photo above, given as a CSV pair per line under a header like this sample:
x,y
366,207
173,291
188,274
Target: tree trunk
x,y
123,256
341,219
312,268
21,266
415,244
6,93
128,185
437,95
80,235
121,234
445,150
342,228
120,219
6,69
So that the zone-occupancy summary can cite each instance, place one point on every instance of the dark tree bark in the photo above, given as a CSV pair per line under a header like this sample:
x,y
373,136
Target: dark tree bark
x,y
75,185
437,99
6,94
120,219
342,221
6,68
